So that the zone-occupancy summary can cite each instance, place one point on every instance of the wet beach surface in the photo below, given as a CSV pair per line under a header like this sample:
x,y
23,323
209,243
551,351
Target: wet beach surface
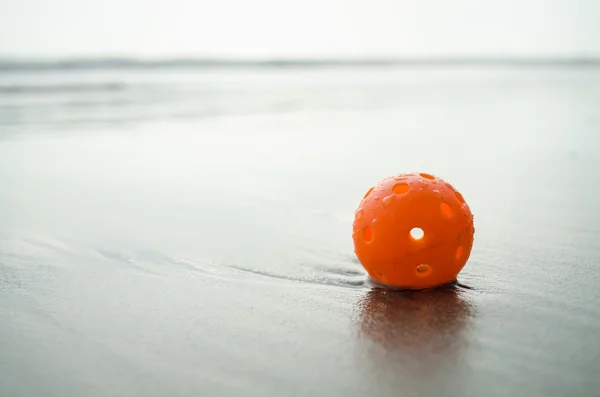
x,y
170,233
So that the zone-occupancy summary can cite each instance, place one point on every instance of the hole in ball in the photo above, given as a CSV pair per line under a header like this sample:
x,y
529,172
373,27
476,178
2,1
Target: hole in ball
x,y
427,176
423,269
460,197
358,214
446,210
367,234
400,188
459,252
417,233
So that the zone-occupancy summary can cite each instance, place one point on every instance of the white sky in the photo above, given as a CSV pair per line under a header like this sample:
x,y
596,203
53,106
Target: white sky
x,y
298,28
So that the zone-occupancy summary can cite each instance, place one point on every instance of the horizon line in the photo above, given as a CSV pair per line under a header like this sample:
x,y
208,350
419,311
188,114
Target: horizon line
x,y
122,62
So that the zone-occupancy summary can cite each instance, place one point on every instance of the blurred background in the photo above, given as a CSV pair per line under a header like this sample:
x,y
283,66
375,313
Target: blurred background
x,y
178,182
321,29
112,61
68,61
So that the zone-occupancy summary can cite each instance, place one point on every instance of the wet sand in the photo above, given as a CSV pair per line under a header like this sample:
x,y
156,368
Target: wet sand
x,y
210,253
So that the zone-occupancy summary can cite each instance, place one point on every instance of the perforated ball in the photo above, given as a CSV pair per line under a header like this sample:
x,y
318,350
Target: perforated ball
x,y
413,231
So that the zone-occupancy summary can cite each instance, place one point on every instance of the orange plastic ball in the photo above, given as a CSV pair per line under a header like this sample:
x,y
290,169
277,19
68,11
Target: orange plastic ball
x,y
413,231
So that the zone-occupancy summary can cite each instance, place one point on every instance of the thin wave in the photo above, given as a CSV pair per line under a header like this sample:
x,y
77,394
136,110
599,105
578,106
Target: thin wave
x,y
333,279
61,88
149,262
